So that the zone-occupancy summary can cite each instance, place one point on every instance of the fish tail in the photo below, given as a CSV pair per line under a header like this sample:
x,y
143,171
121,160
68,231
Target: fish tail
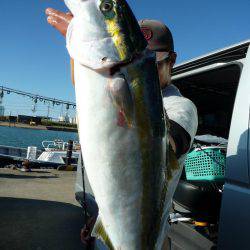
x,y
100,233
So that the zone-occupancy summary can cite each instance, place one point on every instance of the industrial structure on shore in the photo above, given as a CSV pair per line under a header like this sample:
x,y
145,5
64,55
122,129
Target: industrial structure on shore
x,y
32,117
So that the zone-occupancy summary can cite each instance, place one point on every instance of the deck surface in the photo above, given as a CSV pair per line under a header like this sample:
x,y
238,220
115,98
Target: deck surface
x,y
38,210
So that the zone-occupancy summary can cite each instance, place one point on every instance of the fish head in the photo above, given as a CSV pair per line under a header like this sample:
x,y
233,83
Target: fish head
x,y
103,33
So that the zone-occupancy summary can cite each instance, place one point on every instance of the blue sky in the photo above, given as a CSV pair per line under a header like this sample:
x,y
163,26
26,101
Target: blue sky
x,y
34,59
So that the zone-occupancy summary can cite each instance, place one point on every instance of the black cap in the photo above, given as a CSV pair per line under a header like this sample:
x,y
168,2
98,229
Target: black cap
x,y
158,36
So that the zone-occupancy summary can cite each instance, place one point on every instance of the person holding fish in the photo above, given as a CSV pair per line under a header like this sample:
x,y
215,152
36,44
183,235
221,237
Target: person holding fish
x,y
128,159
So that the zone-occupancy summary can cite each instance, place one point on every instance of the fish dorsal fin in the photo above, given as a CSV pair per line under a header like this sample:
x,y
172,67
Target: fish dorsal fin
x,y
100,233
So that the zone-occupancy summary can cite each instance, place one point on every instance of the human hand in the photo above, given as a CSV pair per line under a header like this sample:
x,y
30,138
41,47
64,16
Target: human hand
x,y
85,234
59,20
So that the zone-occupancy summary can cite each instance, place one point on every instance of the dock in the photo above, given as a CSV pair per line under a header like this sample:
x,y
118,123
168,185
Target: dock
x,y
38,127
38,210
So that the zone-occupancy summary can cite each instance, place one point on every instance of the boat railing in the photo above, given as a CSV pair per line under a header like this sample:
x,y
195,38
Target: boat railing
x,y
58,145
16,151
13,151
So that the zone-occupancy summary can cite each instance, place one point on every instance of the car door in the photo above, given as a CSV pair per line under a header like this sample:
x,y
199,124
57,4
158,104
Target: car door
x,y
234,224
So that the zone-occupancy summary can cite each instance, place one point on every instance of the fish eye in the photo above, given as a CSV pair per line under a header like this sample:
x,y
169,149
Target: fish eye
x,y
106,6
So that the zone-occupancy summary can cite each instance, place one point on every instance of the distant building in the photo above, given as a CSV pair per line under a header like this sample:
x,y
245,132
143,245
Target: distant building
x,y
72,120
27,119
64,119
61,119
47,118
1,110
10,118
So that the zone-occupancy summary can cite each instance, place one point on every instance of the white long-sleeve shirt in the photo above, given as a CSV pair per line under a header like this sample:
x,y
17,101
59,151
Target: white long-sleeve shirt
x,y
180,109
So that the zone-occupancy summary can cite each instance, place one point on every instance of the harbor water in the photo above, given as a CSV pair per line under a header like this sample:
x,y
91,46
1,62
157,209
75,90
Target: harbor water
x,y
20,137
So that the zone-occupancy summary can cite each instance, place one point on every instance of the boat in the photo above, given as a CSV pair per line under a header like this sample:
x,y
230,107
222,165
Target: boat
x,y
56,151
52,155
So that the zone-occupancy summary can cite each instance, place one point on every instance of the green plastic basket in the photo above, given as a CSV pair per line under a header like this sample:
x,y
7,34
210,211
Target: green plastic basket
x,y
206,164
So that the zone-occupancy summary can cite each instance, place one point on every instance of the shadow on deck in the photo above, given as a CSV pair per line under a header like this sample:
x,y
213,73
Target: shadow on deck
x,y
13,176
37,225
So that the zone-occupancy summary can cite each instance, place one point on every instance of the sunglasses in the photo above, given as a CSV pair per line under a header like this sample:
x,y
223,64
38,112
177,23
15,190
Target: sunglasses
x,y
167,58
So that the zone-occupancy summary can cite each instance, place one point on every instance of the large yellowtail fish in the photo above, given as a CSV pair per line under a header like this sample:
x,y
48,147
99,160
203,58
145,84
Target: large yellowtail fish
x,y
121,122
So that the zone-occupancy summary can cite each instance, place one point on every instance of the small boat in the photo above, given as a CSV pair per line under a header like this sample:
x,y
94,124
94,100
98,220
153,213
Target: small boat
x,y
13,155
52,155
56,151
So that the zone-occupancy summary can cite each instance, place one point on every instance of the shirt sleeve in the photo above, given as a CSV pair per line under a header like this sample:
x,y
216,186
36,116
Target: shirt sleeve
x,y
182,111
181,138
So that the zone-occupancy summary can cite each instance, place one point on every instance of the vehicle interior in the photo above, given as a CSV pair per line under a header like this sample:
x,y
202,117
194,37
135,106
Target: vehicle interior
x,y
213,92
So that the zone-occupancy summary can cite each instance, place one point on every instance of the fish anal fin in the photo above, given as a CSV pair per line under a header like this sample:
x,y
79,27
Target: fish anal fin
x,y
100,233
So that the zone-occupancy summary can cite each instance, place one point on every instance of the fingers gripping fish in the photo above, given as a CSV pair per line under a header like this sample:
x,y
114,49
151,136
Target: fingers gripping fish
x,y
121,122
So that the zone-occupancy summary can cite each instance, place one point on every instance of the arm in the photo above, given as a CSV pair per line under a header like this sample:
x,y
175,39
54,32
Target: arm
x,y
179,139
183,122
60,21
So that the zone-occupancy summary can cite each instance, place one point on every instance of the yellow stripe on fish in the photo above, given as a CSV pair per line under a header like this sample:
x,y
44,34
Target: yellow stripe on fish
x,y
114,30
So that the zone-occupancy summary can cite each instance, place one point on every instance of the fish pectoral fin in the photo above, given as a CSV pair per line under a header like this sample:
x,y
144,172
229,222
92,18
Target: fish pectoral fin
x,y
122,98
100,233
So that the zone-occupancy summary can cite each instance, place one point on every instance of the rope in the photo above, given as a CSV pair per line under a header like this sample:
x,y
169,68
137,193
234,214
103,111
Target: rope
x,y
84,191
88,245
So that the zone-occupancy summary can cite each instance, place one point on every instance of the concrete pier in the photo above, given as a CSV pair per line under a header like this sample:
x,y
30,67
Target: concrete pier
x,y
38,210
